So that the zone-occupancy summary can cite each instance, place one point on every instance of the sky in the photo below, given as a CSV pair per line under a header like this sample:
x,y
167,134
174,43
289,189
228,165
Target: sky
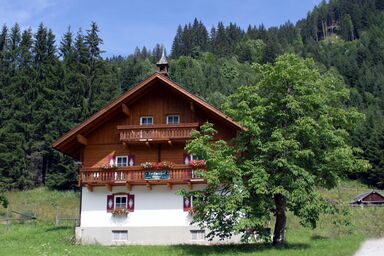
x,y
127,24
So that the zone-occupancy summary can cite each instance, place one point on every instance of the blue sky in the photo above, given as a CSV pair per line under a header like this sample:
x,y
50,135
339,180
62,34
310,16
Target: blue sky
x,y
127,24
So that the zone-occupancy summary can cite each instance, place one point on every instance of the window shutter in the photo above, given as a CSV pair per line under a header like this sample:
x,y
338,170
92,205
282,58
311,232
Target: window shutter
x,y
131,203
110,203
131,160
186,159
187,203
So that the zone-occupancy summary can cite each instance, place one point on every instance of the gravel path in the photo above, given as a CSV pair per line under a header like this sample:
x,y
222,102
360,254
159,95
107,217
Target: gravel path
x,y
374,247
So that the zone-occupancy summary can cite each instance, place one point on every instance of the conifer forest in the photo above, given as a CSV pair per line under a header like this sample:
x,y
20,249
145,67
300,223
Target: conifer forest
x,y
50,84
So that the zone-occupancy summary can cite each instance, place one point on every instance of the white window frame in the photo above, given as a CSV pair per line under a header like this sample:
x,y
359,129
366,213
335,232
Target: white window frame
x,y
193,157
142,117
167,121
197,235
121,196
117,235
121,157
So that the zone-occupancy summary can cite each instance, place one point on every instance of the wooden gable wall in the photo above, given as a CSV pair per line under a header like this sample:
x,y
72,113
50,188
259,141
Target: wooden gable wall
x,y
159,102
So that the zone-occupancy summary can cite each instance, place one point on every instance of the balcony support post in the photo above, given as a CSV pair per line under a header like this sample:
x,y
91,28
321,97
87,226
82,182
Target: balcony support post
x,y
169,185
90,188
109,187
129,187
149,187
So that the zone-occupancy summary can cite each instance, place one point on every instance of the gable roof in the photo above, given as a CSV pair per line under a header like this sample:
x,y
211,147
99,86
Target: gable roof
x,y
61,143
361,197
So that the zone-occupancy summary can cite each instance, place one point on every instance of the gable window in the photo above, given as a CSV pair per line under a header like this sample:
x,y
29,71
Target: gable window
x,y
121,161
146,120
121,201
173,119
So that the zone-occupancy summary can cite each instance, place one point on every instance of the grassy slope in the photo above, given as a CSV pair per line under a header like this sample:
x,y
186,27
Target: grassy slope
x,y
330,238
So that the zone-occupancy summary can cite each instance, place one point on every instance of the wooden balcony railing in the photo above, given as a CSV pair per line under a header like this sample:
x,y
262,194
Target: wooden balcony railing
x,y
163,132
136,175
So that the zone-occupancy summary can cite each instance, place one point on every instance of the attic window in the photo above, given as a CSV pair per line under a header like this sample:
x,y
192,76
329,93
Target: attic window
x,y
121,161
173,119
146,120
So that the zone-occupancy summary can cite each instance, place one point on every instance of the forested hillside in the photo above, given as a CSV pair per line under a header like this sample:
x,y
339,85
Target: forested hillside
x,y
47,85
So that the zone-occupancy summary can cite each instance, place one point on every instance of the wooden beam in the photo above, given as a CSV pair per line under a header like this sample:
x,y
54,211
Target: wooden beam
x,y
129,187
89,188
147,144
125,109
192,106
190,185
81,139
125,144
149,187
170,143
109,187
169,185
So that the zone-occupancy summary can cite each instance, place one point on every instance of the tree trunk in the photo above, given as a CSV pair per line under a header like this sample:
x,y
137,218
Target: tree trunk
x,y
281,220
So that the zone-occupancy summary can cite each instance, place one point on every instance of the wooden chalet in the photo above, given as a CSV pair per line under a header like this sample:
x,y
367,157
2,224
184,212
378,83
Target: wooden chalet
x,y
136,142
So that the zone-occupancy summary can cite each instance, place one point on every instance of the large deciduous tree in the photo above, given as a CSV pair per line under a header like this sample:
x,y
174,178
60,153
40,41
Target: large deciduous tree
x,y
296,138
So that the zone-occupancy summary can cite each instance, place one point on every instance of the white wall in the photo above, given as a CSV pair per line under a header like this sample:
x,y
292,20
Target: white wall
x,y
159,207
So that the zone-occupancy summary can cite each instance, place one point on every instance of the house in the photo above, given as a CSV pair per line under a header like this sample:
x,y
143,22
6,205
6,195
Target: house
x,y
371,198
134,164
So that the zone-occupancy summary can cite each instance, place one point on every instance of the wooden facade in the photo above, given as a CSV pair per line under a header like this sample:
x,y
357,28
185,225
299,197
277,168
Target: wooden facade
x,y
117,131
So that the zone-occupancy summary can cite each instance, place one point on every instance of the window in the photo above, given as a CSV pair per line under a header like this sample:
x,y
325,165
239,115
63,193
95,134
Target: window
x,y
193,157
120,235
198,234
115,201
121,161
146,120
173,119
120,201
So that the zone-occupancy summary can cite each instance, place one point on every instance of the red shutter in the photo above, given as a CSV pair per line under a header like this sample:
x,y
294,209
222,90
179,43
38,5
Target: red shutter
x,y
110,203
187,203
186,158
131,157
131,203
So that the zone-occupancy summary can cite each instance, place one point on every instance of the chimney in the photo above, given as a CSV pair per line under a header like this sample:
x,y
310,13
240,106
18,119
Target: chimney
x,y
162,64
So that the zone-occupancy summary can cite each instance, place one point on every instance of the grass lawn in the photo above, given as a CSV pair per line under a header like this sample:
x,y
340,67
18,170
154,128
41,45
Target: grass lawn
x,y
331,237
40,239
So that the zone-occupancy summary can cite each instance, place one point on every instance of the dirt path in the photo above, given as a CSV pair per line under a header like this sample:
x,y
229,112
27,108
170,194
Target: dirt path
x,y
374,247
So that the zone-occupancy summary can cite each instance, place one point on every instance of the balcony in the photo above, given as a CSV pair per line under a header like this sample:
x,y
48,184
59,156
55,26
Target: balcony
x,y
136,175
161,132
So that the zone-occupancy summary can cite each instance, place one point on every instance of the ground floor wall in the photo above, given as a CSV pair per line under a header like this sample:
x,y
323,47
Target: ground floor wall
x,y
159,217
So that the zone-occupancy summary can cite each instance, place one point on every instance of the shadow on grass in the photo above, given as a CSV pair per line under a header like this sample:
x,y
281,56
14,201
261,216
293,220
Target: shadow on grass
x,y
58,228
319,237
203,250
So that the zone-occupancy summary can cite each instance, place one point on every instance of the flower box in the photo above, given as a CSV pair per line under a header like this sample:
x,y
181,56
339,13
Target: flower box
x,y
157,166
198,163
120,212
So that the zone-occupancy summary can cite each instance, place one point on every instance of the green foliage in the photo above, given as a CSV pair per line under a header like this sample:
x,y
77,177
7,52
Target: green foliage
x,y
43,96
296,137
4,200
